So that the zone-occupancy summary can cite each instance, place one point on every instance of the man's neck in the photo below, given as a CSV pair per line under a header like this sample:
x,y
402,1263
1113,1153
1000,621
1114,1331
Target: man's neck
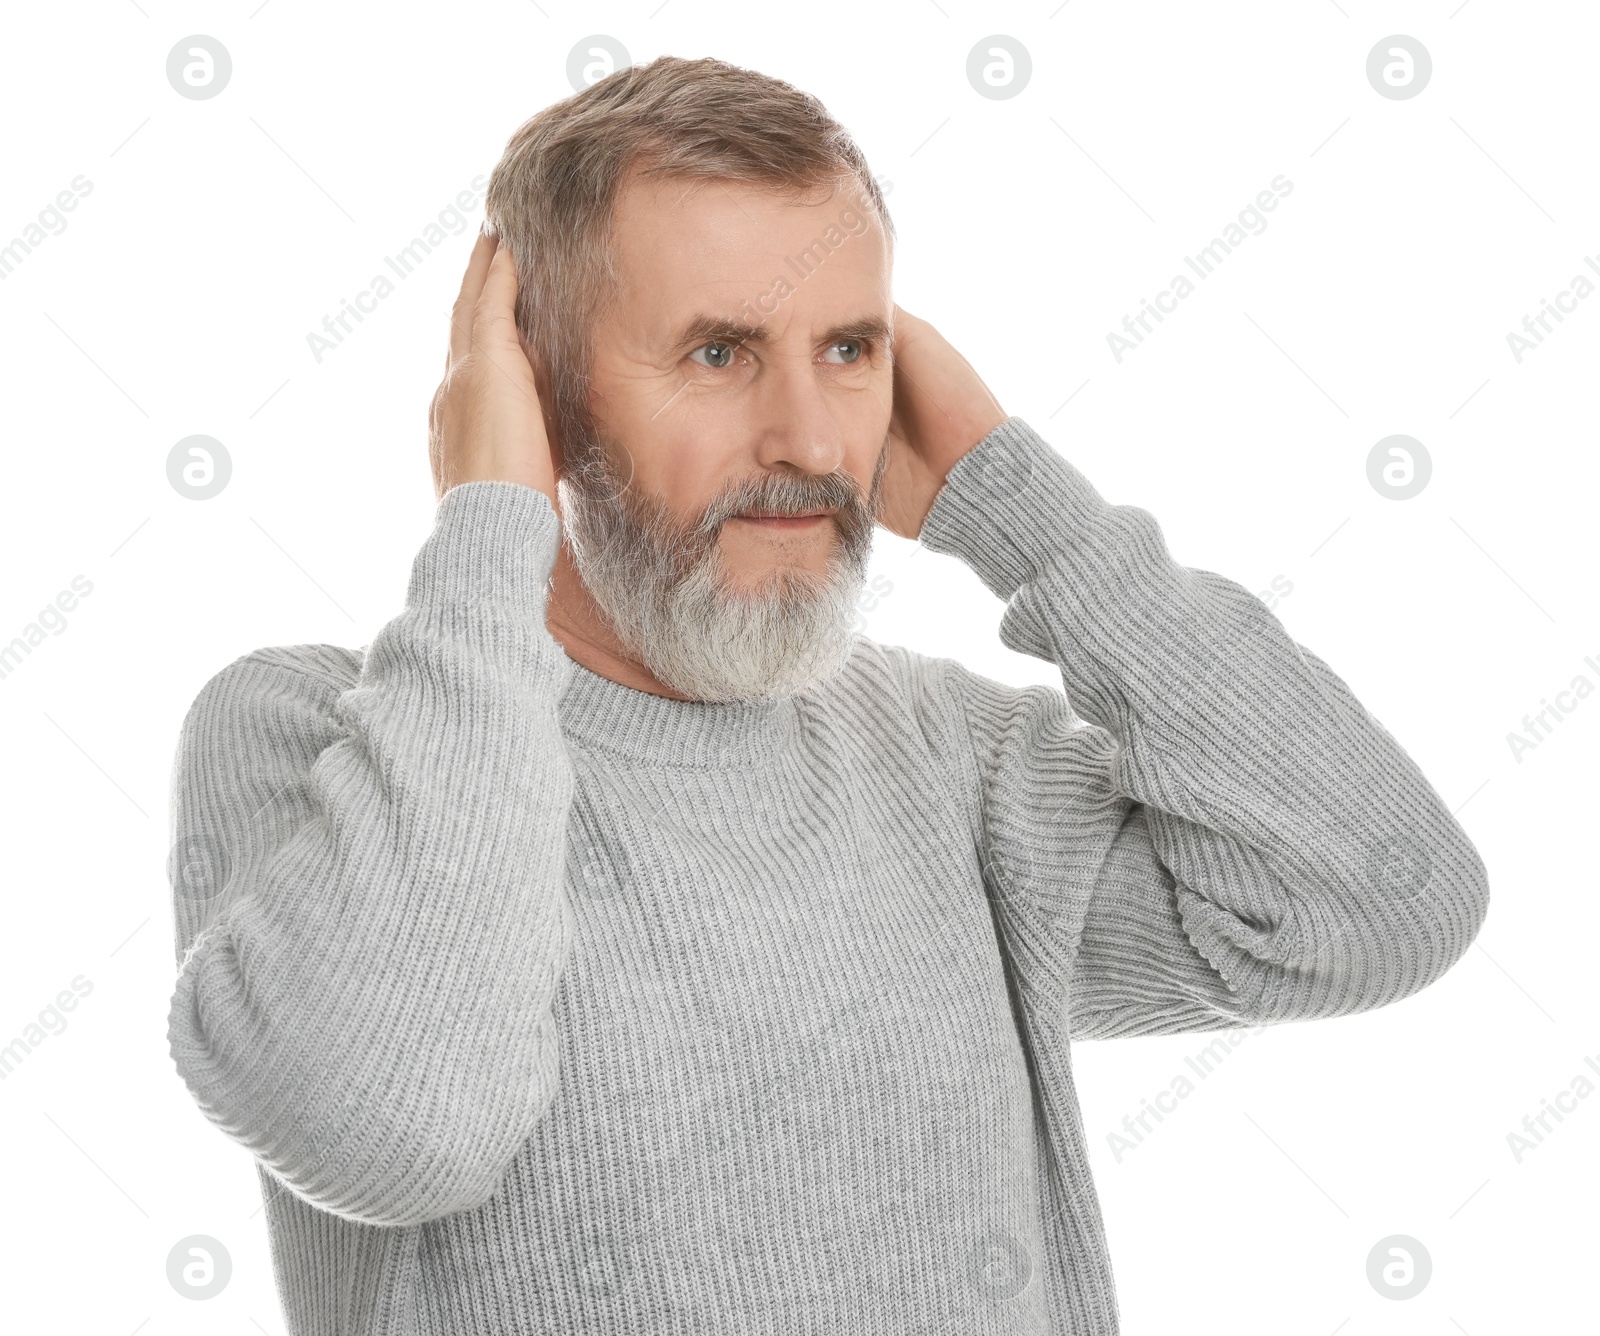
x,y
579,627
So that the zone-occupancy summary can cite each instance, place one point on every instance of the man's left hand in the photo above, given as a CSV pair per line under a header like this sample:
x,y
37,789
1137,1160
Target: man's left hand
x,y
942,409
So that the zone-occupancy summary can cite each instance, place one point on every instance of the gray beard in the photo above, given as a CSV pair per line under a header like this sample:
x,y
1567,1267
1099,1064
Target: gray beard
x,y
662,586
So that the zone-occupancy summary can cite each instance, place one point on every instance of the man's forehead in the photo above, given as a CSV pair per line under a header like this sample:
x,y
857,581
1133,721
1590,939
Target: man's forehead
x,y
707,221
702,252
663,195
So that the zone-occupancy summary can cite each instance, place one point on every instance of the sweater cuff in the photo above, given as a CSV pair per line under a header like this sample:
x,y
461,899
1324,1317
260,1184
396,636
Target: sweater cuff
x,y
493,547
1010,507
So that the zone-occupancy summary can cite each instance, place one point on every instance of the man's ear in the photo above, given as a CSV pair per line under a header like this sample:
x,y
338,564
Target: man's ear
x,y
541,382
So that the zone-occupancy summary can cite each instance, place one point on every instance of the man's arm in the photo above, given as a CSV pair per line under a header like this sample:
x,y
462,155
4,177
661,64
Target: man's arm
x,y
369,853
1236,841
367,882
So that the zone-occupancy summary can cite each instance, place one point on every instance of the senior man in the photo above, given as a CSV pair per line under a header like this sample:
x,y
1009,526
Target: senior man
x,y
620,944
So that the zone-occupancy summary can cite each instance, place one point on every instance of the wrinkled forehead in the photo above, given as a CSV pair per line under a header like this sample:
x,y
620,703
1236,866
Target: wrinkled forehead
x,y
726,247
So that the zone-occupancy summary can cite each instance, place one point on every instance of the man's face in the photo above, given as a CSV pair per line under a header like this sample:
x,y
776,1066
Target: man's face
x,y
743,370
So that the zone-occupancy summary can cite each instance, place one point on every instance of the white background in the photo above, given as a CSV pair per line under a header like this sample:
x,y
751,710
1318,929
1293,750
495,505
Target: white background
x,y
218,234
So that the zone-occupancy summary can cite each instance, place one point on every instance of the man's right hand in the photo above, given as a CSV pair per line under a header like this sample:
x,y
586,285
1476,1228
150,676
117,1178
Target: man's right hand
x,y
485,422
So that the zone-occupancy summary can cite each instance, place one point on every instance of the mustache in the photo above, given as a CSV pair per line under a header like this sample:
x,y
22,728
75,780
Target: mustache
x,y
593,468
776,494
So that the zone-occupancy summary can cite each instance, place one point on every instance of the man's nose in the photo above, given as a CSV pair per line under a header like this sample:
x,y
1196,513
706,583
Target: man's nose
x,y
797,424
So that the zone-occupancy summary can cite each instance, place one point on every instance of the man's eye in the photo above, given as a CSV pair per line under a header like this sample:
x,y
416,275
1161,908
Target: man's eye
x,y
850,350
718,354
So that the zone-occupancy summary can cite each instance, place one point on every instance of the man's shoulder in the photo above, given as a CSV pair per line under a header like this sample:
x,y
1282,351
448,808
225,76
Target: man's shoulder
x,y
324,666
936,677
938,691
945,696
268,679
877,668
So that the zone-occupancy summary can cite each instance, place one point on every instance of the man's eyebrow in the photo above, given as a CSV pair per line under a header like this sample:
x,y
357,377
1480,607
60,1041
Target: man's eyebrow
x,y
699,329
702,329
871,328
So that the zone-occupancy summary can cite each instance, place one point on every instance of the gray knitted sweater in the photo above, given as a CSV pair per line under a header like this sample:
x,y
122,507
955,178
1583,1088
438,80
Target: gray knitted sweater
x,y
549,1005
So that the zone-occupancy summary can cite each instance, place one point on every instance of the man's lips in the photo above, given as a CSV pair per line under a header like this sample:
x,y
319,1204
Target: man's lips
x,y
783,521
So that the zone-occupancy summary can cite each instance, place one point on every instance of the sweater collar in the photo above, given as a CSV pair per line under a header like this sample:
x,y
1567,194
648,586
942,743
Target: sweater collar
x,y
600,713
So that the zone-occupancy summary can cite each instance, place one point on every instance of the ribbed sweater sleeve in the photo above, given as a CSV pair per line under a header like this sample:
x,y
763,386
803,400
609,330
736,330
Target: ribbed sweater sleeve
x,y
1276,855
367,867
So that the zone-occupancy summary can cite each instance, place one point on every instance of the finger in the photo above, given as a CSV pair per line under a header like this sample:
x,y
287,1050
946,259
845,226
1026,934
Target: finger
x,y
495,312
483,253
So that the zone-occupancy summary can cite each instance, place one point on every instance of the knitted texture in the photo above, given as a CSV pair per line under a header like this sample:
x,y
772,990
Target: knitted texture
x,y
549,1005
